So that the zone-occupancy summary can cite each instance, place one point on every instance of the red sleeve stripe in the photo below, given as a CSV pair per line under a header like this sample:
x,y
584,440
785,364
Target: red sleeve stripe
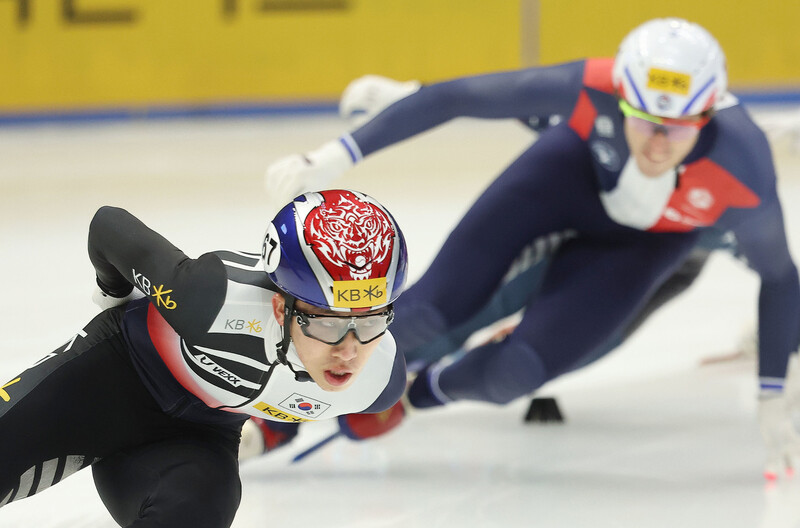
x,y
597,74
168,344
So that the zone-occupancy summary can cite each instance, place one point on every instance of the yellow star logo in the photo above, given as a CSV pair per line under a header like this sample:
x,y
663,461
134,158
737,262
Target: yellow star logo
x,y
162,299
3,393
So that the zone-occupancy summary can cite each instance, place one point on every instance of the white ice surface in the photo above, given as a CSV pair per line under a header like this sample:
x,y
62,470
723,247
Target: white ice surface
x,y
652,439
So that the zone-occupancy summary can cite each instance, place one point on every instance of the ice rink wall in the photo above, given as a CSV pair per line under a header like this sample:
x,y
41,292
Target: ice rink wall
x,y
68,54
759,37
110,58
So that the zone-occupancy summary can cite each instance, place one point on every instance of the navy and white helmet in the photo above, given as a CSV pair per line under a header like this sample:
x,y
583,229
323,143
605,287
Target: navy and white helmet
x,y
338,250
669,67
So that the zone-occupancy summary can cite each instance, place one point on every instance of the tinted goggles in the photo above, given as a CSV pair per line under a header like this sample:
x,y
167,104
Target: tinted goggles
x,y
332,329
674,129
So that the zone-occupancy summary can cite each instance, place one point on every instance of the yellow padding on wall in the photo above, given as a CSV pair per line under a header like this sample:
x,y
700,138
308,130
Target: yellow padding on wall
x,y
61,54
759,37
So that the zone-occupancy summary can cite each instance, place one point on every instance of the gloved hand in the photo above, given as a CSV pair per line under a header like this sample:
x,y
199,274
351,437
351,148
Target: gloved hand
x,y
368,95
293,175
363,426
105,300
781,438
260,436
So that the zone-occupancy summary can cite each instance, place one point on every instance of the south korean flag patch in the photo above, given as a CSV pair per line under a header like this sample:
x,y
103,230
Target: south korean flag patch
x,y
304,406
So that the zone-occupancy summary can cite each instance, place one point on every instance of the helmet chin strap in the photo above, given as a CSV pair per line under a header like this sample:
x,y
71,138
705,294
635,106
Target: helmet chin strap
x,y
282,347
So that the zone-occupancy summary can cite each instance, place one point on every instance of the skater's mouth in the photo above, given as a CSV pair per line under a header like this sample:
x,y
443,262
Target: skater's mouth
x,y
337,378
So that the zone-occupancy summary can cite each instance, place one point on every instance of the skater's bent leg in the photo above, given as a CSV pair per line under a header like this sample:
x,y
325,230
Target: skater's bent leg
x,y
416,323
75,405
523,205
519,286
180,483
477,376
591,291
675,285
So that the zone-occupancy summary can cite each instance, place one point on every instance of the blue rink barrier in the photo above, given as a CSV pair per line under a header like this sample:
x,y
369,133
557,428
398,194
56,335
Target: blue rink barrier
x,y
771,97
222,111
238,110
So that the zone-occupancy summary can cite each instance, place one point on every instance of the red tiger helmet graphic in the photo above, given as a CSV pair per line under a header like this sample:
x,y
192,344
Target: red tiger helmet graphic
x,y
337,249
352,238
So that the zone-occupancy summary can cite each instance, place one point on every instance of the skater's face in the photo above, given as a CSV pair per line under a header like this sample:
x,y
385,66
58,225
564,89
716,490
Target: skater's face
x,y
659,144
334,367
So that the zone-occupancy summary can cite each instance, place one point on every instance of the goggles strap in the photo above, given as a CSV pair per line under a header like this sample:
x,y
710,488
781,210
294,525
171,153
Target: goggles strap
x,y
283,345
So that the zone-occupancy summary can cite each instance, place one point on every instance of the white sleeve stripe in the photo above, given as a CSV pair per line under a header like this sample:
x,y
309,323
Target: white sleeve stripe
x,y
237,265
247,254
238,358
352,148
